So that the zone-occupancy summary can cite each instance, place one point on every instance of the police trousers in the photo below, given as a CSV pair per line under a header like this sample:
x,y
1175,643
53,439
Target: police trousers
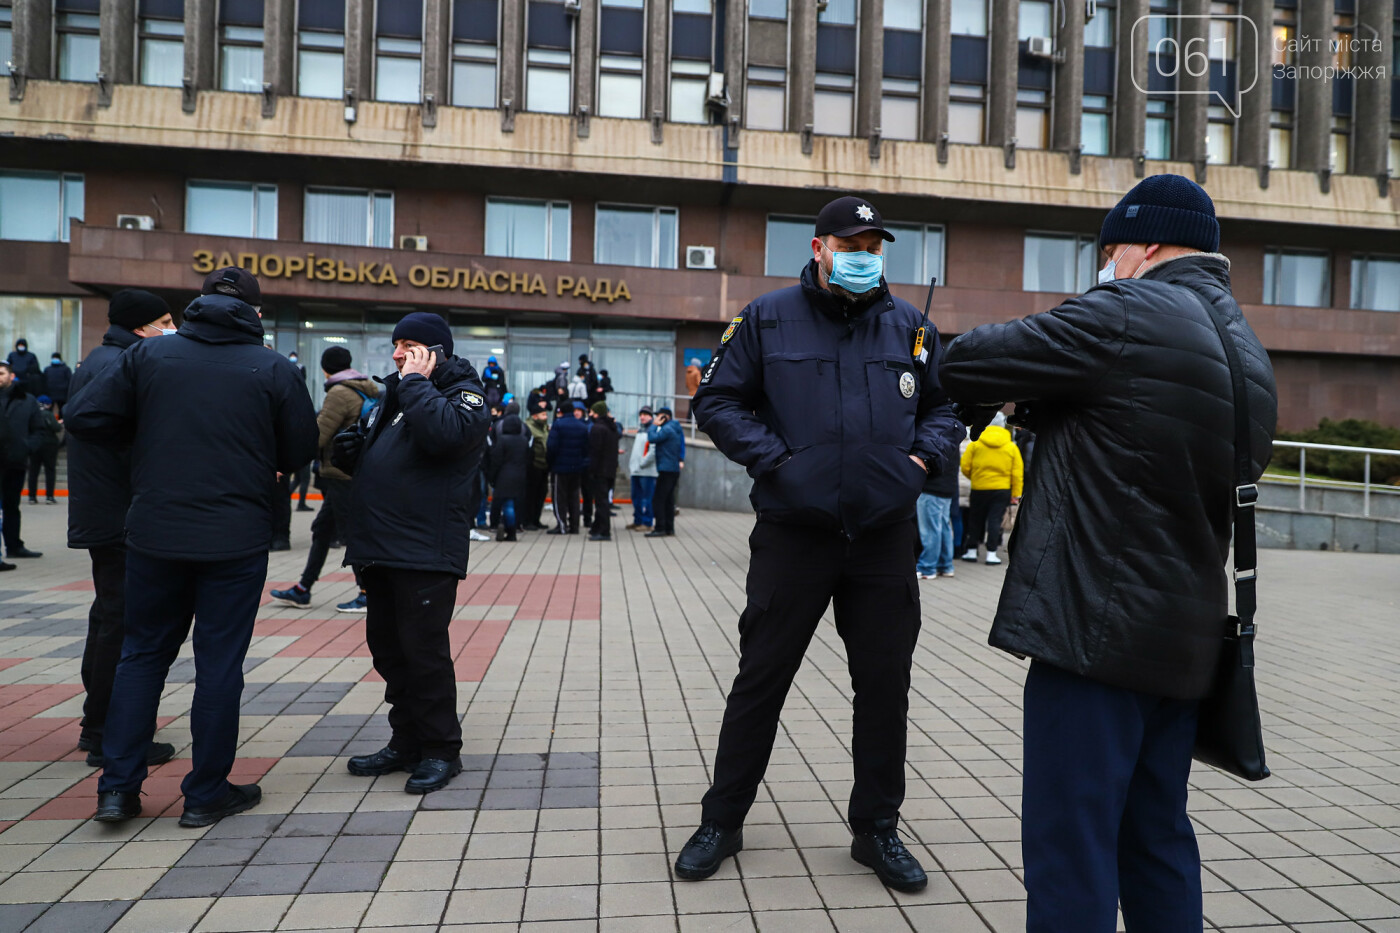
x,y
794,574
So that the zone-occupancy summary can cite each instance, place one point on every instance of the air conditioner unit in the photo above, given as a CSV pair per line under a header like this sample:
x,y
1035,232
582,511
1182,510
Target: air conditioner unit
x,y
572,7
1040,47
1091,8
419,243
699,257
135,222
716,88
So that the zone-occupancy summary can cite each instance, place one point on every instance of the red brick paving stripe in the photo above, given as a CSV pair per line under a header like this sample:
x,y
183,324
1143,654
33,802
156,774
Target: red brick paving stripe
x,y
20,701
77,586
11,662
160,792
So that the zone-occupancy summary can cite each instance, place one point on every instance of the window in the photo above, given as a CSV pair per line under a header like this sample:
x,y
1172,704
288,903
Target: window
x,y
231,209
967,114
1034,20
1375,283
473,75
1393,153
321,48
38,205
1032,119
241,59
969,18
1098,31
1341,149
692,6
768,9
527,229
1296,277
1220,136
47,323
1281,139
349,216
899,109
1222,32
690,86
7,47
163,52
838,13
398,70
904,14
78,46
1285,36
635,236
833,105
915,255
547,81
1158,138
789,245
1059,262
620,86
1343,40
766,99
1095,135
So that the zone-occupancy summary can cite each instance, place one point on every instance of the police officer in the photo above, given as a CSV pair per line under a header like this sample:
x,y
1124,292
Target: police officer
x,y
828,392
414,471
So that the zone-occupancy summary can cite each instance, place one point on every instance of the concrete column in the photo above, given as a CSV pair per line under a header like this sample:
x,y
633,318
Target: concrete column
x,y
359,50
201,27
1067,115
511,60
32,39
1129,99
118,42
870,66
437,58
1192,116
1312,108
279,51
586,65
736,25
658,45
937,51
802,66
1004,52
1256,73
1370,111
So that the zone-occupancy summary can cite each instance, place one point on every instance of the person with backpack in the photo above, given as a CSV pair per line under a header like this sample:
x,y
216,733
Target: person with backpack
x,y
47,454
350,397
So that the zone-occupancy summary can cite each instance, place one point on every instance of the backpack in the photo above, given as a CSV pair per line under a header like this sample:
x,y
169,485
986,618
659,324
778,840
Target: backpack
x,y
367,405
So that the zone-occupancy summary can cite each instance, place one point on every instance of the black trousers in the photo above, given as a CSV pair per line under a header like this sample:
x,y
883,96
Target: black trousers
x,y
586,488
408,616
301,482
566,493
48,459
601,487
794,574
663,504
282,510
163,597
104,635
985,510
331,524
536,486
11,491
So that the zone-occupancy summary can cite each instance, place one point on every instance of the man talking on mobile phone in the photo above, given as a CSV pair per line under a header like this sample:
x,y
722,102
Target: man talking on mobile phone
x,y
413,466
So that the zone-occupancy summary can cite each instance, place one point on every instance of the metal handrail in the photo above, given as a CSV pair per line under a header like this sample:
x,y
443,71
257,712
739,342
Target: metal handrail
x,y
1303,448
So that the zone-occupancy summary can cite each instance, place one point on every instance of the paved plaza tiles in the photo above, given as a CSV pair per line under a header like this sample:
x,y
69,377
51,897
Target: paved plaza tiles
x,y
593,679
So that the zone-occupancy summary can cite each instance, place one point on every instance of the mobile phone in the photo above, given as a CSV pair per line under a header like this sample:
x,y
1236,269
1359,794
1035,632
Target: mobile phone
x,y
439,355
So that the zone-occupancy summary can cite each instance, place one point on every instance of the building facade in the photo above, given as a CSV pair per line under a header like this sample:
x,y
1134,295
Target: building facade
x,y
618,177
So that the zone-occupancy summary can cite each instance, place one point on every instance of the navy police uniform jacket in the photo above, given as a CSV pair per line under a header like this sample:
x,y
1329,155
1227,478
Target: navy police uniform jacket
x,y
99,475
824,409
413,484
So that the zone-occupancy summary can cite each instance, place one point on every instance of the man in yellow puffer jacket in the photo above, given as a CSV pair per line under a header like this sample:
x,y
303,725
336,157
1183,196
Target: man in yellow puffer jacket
x,y
993,463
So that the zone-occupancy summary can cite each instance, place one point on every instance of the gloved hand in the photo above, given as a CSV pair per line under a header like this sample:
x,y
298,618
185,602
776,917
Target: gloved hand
x,y
1022,417
976,417
346,448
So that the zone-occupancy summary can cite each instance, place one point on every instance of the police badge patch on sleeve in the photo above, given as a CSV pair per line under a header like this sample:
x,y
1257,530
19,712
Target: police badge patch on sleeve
x,y
471,401
729,331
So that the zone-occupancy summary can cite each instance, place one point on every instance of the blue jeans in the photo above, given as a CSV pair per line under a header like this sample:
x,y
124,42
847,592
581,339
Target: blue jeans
x,y
508,512
643,488
935,534
484,504
1104,805
162,598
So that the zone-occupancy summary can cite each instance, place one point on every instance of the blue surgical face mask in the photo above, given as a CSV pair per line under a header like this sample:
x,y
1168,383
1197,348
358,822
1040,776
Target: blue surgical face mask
x,y
55,361
856,272
1109,272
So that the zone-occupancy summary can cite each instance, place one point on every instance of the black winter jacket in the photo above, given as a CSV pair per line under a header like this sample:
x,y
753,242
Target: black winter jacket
x,y
602,447
212,416
508,458
413,483
567,447
58,382
1117,568
25,365
99,475
824,410
25,424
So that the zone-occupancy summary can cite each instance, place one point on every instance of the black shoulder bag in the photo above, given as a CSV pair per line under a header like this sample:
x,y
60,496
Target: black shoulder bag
x,y
1228,733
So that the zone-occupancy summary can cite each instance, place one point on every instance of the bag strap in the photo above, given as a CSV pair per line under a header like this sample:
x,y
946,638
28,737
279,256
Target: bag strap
x,y
1246,492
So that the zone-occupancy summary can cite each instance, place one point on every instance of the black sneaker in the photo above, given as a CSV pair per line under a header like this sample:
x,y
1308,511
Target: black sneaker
x,y
709,846
240,797
22,551
432,774
117,806
384,761
894,865
157,754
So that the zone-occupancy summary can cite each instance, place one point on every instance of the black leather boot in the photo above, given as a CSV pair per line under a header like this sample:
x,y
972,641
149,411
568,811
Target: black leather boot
x,y
707,849
893,864
384,761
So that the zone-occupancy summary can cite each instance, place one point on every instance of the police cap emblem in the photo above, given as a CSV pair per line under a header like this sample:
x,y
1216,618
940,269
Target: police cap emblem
x,y
906,384
865,213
